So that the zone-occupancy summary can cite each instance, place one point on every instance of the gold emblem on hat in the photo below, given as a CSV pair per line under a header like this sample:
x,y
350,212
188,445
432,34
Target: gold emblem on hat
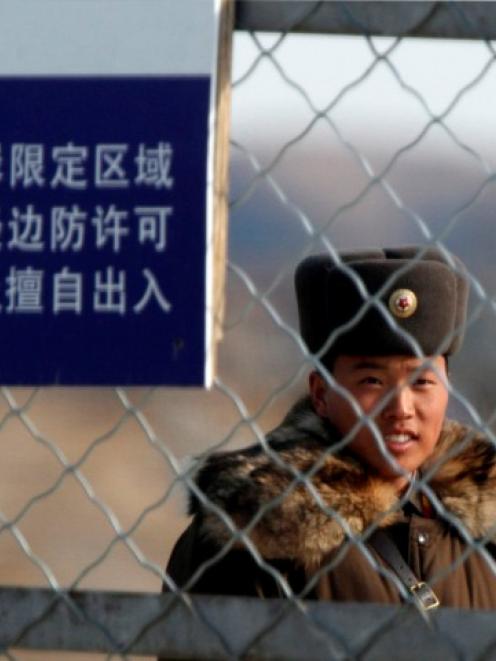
x,y
403,303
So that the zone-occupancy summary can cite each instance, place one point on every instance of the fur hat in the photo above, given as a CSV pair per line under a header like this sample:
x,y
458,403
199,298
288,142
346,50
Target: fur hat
x,y
423,295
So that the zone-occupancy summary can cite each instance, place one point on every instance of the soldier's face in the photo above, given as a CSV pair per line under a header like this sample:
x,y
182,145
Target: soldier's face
x,y
406,397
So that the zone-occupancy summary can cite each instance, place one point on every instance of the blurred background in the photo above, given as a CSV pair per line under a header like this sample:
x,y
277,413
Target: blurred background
x,y
353,141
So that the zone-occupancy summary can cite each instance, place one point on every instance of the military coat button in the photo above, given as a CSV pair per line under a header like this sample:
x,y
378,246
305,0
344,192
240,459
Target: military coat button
x,y
422,538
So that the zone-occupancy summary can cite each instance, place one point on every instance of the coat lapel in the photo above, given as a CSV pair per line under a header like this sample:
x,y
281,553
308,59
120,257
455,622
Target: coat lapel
x,y
297,499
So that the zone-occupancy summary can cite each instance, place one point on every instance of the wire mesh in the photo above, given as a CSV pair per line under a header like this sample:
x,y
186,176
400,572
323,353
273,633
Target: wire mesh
x,y
338,143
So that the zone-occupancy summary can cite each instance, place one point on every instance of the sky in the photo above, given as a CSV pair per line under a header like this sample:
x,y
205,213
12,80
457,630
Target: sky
x,y
434,69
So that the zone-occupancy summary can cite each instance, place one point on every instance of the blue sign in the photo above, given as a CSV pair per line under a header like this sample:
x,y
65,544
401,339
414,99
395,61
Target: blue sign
x,y
103,229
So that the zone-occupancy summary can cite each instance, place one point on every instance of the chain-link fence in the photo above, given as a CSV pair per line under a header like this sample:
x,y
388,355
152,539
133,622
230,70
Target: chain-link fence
x,y
338,143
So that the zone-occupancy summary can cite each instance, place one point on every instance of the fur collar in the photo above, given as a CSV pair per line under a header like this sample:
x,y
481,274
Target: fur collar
x,y
259,489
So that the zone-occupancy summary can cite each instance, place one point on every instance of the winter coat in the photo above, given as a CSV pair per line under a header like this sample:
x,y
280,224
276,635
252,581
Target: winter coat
x,y
313,539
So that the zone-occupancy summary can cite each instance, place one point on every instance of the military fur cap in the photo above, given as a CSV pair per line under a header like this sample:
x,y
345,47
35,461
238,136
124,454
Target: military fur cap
x,y
423,293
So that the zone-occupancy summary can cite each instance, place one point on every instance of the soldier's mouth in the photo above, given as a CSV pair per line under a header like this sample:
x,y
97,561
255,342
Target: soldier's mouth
x,y
399,442
398,438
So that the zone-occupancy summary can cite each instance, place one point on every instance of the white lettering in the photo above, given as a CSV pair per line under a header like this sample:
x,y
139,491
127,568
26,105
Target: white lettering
x,y
26,230
109,169
67,229
154,166
70,162
152,289
110,293
109,226
152,225
26,165
24,290
67,292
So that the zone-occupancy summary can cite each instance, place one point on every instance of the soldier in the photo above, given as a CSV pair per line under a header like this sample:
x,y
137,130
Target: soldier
x,y
365,492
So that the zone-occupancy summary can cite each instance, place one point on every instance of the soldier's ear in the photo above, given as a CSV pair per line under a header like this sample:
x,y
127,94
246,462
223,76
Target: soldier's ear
x,y
318,393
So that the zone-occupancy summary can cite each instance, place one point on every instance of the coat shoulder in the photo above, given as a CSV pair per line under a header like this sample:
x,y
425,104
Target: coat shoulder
x,y
462,473
291,495
297,495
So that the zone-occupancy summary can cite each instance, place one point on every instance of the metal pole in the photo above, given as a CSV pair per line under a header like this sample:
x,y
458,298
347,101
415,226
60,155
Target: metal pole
x,y
213,627
452,20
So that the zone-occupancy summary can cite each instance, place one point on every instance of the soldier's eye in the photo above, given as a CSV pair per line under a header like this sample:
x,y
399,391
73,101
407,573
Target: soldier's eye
x,y
370,380
424,381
